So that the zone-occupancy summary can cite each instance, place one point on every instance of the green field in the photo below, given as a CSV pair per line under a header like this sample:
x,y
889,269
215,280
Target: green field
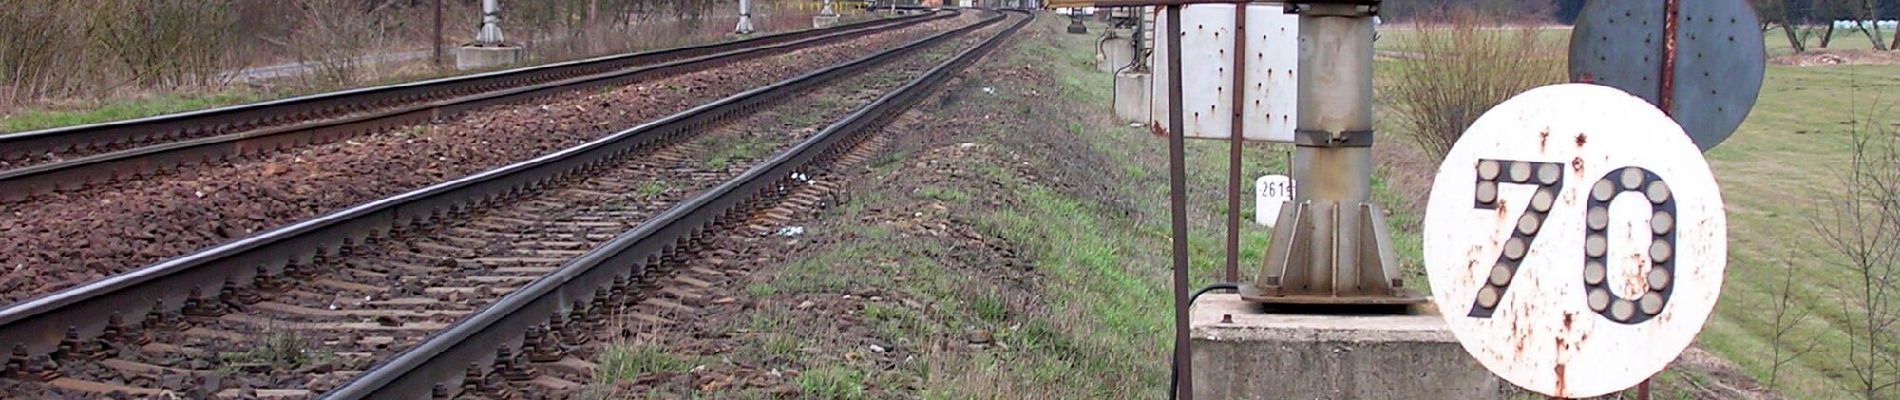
x,y
1775,173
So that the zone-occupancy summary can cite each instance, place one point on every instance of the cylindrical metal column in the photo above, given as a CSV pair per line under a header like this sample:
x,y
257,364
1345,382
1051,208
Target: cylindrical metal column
x,y
490,35
1331,245
745,18
1335,111
827,10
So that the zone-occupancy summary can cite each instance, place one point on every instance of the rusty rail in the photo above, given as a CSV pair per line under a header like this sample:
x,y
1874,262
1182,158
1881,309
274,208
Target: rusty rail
x,y
348,113
435,366
36,326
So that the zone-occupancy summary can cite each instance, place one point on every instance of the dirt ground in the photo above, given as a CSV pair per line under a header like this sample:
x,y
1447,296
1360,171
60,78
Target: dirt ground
x,y
1009,243
1826,57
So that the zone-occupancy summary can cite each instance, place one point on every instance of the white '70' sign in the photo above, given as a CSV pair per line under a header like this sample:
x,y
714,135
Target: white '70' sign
x,y
1575,240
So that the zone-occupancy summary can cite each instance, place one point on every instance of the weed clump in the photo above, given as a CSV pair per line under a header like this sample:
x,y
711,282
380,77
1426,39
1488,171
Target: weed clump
x,y
1452,71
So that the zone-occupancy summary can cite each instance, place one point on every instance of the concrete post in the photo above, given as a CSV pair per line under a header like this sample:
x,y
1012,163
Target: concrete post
x,y
490,35
489,50
825,18
745,18
1331,246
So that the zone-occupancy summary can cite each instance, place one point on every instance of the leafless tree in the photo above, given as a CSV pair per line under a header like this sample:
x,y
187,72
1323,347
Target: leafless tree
x,y
1861,223
1789,314
1868,18
1781,13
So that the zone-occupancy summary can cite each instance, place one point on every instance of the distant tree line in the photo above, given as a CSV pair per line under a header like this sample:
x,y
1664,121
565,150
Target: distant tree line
x,y
54,50
1802,21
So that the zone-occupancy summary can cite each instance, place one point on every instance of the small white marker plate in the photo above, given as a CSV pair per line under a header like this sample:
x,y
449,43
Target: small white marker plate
x,y
1269,193
1617,274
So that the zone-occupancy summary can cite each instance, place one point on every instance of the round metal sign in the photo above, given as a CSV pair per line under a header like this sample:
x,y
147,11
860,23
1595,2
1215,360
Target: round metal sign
x,y
1575,240
1719,59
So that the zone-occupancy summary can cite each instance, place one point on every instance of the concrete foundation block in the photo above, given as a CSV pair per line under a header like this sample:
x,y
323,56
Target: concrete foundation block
x,y
823,21
1131,96
475,57
1117,52
1286,356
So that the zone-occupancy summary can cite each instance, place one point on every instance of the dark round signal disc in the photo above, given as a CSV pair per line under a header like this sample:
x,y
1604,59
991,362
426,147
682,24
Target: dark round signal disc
x,y
1719,59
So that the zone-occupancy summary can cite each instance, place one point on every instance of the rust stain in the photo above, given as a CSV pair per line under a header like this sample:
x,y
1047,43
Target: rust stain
x,y
1576,164
1581,139
1156,129
1543,139
1559,369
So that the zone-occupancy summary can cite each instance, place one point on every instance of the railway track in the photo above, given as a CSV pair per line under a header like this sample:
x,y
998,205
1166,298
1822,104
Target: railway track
x,y
61,159
63,239
510,268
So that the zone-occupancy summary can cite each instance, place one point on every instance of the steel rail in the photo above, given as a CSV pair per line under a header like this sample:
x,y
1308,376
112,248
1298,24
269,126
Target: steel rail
x,y
37,325
430,367
451,96
17,144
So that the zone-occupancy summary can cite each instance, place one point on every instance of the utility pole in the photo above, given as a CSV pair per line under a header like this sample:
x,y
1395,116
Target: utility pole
x,y
440,57
825,18
490,35
745,18
489,49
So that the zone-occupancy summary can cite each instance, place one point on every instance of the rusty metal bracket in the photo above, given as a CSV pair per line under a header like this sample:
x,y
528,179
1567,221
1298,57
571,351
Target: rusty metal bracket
x,y
1362,8
1297,270
1321,138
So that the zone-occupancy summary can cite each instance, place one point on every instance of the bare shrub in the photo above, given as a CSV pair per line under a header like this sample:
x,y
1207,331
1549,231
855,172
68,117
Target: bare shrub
x,y
164,44
35,49
1861,224
1455,70
1789,314
331,37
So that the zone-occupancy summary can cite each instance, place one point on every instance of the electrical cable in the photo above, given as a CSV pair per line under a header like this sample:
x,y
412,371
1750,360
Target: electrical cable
x,y
1174,366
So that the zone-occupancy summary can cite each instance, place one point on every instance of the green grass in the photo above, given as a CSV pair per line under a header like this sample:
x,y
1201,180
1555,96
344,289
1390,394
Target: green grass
x,y
782,345
943,193
623,362
831,383
728,149
651,189
49,117
279,351
1774,173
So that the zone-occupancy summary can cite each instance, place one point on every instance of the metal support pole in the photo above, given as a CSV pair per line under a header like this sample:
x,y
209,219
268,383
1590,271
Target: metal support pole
x,y
1177,205
441,58
490,35
827,10
1330,245
1666,88
1665,94
745,18
1235,142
